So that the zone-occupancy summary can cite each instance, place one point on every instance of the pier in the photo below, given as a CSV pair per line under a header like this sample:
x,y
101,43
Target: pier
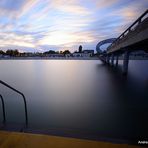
x,y
132,39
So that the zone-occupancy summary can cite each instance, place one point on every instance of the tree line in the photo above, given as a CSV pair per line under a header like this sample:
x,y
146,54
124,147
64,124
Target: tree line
x,y
15,52
10,52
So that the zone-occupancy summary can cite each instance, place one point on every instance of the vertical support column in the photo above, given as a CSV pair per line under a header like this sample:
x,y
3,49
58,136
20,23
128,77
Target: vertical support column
x,y
125,62
117,57
107,59
104,59
112,60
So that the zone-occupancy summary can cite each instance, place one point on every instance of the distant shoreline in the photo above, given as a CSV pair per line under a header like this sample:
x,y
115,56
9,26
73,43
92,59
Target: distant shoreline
x,y
50,58
65,58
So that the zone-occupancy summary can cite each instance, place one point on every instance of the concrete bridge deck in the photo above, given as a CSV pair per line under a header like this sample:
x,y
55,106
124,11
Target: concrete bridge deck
x,y
135,37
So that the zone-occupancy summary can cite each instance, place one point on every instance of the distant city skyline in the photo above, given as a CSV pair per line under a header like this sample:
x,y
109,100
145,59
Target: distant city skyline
x,y
37,25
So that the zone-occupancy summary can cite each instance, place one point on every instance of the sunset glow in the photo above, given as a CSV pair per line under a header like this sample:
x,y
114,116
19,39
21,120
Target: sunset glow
x,y
30,25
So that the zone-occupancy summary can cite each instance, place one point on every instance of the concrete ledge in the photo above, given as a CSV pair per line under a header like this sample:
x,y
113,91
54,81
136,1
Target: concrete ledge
x,y
25,140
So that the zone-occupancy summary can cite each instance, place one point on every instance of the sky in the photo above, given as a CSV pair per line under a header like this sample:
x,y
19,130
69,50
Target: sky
x,y
42,25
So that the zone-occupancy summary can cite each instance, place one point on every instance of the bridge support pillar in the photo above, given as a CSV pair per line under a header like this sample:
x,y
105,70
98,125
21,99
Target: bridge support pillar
x,y
117,60
107,59
125,62
112,60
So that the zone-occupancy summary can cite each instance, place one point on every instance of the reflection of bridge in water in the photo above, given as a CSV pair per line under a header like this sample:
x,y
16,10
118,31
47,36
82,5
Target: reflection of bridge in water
x,y
132,39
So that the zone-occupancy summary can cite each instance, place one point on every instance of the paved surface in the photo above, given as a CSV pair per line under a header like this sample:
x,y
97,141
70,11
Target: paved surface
x,y
25,140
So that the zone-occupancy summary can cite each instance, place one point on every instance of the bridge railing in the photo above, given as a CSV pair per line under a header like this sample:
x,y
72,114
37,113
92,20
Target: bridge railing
x,y
24,99
131,28
3,109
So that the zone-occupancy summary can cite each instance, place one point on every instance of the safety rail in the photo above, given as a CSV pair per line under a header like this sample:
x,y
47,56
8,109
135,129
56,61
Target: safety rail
x,y
129,29
25,104
3,108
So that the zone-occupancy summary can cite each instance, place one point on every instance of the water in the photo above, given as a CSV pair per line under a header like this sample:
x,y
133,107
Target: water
x,y
80,96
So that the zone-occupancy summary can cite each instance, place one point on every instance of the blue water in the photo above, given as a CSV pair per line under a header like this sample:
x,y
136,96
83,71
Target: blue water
x,y
81,96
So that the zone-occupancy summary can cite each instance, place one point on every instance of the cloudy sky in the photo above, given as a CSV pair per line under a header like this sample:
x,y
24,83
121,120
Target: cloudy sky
x,y
40,25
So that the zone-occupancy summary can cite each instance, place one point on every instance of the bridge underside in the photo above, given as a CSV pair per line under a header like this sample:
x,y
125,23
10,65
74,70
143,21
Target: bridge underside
x,y
142,45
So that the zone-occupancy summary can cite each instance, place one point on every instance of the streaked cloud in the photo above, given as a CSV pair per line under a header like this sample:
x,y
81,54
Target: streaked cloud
x,y
61,24
103,4
71,6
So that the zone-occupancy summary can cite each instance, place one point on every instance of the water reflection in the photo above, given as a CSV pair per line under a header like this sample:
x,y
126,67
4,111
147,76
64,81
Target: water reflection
x,y
84,96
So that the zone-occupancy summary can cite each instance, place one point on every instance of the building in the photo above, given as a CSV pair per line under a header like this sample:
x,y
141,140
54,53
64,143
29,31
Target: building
x,y
84,53
89,53
80,49
77,54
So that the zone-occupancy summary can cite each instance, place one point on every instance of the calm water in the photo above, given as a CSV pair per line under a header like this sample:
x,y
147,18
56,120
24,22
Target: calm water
x,y
81,96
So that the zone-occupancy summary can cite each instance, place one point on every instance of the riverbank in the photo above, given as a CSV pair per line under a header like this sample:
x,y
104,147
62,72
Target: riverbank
x,y
50,58
66,58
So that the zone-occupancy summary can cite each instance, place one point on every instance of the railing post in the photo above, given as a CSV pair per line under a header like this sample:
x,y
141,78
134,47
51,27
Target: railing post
x,y
3,108
139,21
26,114
25,104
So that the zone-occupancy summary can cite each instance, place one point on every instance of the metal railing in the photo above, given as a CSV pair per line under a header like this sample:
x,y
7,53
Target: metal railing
x,y
24,99
125,33
3,108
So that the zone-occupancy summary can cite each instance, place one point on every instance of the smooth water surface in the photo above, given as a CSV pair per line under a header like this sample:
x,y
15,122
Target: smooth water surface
x,y
84,96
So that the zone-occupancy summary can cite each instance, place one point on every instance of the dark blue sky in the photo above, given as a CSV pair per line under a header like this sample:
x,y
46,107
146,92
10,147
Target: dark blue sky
x,y
40,25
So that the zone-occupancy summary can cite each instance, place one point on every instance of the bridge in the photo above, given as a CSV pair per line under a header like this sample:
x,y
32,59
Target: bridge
x,y
133,38
98,47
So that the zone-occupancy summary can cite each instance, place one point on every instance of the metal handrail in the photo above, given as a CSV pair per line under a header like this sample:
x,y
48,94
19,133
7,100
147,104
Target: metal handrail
x,y
3,108
139,20
25,104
